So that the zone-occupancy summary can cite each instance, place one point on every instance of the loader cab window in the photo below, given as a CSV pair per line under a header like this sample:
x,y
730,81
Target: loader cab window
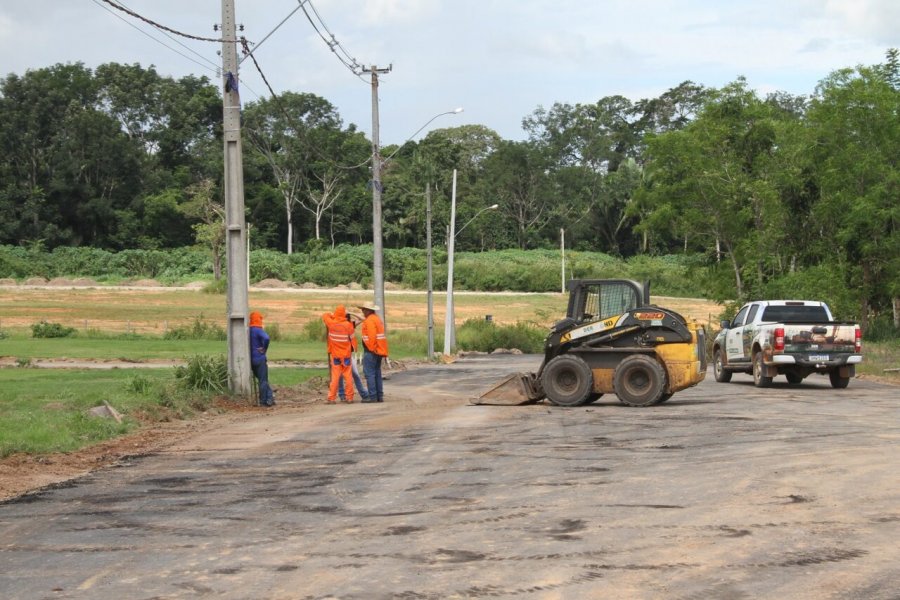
x,y
608,300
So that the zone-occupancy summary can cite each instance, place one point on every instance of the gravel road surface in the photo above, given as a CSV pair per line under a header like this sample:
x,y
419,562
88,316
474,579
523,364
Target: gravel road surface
x,y
725,492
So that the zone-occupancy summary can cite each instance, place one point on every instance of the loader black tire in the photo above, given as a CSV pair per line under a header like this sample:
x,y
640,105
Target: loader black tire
x,y
593,397
567,381
639,380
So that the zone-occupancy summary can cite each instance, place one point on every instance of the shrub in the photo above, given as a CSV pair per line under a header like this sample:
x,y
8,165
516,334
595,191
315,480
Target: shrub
x,y
485,336
217,286
140,384
204,373
274,332
269,264
314,330
43,329
882,329
199,329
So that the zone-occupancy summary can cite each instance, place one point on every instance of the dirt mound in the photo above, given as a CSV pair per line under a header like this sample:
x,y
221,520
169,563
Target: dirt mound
x,y
271,284
35,281
8,282
143,283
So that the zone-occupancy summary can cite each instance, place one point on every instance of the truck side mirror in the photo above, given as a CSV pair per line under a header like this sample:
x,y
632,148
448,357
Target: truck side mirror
x,y
724,324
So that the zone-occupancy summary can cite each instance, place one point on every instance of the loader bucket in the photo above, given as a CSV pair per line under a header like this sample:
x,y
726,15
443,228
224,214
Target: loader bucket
x,y
518,388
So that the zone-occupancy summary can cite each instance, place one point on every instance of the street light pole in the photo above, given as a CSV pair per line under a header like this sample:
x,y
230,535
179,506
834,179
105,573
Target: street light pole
x,y
450,317
429,282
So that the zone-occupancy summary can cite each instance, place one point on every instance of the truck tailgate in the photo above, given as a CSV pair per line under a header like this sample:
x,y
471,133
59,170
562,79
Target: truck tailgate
x,y
824,339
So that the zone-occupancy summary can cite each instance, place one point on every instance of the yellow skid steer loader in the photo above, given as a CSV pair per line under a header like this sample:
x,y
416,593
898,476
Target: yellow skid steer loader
x,y
611,341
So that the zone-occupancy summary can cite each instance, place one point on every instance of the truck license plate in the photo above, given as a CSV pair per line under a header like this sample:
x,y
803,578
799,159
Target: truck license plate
x,y
819,357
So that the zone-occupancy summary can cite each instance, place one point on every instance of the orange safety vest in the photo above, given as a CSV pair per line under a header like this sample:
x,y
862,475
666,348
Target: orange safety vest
x,y
373,335
340,333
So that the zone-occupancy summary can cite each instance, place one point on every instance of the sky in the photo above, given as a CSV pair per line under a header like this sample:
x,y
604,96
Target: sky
x,y
499,60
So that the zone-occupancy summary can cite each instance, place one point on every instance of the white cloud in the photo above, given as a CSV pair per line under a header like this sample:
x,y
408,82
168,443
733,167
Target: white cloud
x,y
875,19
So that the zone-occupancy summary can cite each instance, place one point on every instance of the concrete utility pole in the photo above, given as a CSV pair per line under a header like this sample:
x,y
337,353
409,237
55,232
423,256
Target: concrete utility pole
x,y
430,284
377,242
235,253
450,317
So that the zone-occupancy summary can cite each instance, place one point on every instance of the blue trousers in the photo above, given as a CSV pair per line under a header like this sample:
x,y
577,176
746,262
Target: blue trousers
x,y
261,371
360,388
372,367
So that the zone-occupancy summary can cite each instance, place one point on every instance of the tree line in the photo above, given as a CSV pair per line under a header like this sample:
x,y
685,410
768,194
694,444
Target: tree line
x,y
774,192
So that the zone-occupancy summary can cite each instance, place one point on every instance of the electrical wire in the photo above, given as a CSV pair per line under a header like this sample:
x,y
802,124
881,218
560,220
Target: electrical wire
x,y
298,127
331,41
214,68
183,45
128,11
157,40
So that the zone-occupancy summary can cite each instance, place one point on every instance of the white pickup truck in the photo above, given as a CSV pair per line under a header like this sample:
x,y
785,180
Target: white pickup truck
x,y
794,338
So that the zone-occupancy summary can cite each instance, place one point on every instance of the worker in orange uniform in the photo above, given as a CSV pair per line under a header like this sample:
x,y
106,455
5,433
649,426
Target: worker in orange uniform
x,y
340,335
375,349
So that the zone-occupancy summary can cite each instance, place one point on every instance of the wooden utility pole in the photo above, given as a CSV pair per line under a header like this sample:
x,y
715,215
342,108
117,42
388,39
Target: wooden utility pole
x,y
235,249
377,240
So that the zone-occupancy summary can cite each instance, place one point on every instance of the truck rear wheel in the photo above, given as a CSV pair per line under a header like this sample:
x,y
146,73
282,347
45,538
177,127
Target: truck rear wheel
x,y
567,381
722,375
760,380
793,378
639,380
837,381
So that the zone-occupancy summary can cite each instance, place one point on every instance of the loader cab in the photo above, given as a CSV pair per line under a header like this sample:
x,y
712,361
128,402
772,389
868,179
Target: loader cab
x,y
598,299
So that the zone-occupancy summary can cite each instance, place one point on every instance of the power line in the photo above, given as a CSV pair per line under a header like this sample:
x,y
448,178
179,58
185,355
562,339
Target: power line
x,y
214,68
128,11
215,65
298,127
331,41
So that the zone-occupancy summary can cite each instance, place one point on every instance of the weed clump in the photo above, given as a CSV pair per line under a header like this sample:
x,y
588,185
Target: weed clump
x,y
43,329
199,329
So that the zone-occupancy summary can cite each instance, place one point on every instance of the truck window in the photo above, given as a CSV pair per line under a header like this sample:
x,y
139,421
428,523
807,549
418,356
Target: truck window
x,y
739,318
795,314
753,310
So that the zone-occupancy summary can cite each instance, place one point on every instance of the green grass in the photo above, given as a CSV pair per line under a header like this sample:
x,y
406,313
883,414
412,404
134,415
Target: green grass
x,y
145,347
878,356
46,410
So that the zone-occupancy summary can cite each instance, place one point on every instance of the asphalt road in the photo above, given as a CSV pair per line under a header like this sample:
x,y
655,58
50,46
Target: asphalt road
x,y
724,492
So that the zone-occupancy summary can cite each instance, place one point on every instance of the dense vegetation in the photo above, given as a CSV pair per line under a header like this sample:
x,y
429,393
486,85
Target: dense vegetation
x,y
758,196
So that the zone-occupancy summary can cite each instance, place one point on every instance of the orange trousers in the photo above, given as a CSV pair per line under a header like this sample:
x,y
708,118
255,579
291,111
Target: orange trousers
x,y
340,367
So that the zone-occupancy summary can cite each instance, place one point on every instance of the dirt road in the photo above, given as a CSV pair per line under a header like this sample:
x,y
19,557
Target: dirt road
x,y
725,492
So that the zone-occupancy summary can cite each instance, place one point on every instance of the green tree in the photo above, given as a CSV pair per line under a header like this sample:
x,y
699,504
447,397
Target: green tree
x,y
718,181
855,117
302,139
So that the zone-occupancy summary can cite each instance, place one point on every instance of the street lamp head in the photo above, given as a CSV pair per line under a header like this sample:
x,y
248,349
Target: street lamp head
x,y
493,206
456,111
